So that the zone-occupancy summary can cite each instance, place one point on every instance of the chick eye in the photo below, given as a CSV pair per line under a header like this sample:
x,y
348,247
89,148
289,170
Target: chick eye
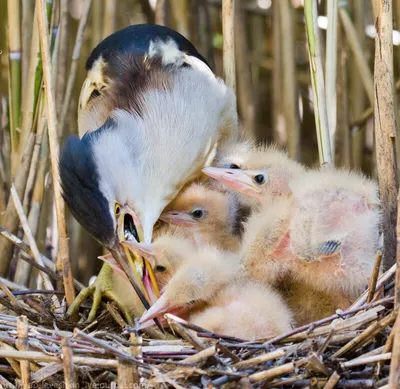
x,y
259,179
198,213
160,269
233,166
117,209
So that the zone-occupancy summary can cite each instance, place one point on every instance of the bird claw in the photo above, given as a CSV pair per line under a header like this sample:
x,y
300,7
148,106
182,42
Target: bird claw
x,y
328,248
103,286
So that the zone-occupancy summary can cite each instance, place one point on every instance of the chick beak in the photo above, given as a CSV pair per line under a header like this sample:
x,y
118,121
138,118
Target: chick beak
x,y
239,180
159,307
178,218
136,268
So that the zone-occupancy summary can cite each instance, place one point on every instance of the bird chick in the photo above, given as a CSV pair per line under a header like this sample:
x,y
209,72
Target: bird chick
x,y
210,282
320,240
257,173
205,216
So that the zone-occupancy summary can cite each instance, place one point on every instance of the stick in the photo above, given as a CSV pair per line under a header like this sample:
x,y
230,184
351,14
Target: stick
x,y
69,375
228,31
364,361
333,380
385,128
374,278
63,260
317,78
23,345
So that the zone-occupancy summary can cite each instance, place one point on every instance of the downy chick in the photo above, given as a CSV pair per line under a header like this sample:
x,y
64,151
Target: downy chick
x,y
210,283
205,216
246,169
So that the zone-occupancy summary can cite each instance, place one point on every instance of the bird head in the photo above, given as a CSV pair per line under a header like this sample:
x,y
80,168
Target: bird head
x,y
258,174
190,275
200,208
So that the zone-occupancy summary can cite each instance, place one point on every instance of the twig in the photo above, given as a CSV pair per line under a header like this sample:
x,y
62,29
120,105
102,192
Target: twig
x,y
161,12
63,254
111,349
228,31
317,78
333,380
364,361
368,333
128,373
260,359
374,277
30,237
23,345
276,371
69,375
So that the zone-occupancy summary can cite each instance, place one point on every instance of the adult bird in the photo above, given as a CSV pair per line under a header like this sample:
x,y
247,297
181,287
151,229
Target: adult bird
x,y
152,114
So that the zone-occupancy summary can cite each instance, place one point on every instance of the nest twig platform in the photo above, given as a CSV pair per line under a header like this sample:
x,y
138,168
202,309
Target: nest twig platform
x,y
350,349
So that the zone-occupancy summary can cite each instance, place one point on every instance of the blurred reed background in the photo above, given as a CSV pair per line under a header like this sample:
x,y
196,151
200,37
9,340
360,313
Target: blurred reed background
x,y
273,83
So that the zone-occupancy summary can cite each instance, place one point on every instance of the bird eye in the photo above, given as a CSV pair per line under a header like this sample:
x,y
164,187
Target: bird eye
x,y
160,269
117,209
198,213
259,179
233,166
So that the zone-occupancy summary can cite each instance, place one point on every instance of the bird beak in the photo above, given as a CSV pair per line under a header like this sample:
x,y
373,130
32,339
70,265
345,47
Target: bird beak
x,y
159,307
86,92
239,180
137,269
178,218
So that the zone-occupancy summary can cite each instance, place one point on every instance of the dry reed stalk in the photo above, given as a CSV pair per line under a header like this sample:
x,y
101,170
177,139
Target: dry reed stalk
x,y
317,78
110,349
97,23
34,81
260,359
280,136
31,239
342,138
14,57
357,93
63,259
385,128
364,361
289,89
276,371
331,69
367,334
333,380
147,10
228,32
161,12
374,277
10,220
381,281
128,373
23,345
201,355
69,375
245,84
74,64
359,58
110,17
181,15
62,52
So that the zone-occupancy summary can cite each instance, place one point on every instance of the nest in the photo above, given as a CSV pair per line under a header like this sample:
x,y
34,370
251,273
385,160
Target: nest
x,y
350,349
